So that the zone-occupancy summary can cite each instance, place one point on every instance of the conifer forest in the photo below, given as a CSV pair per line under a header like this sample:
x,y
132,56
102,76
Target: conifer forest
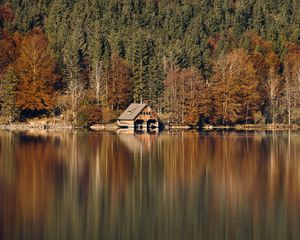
x,y
220,62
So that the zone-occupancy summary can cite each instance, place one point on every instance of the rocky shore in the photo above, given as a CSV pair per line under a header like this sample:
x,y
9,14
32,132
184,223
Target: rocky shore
x,y
99,127
267,127
28,126
255,127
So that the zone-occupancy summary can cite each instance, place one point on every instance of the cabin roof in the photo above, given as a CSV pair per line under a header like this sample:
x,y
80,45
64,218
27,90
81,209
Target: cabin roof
x,y
132,111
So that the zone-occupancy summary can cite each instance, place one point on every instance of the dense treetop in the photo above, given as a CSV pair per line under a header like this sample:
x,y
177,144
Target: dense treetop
x,y
190,31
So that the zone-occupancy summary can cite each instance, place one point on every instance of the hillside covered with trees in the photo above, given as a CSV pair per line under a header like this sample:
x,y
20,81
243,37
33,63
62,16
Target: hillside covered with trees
x,y
213,61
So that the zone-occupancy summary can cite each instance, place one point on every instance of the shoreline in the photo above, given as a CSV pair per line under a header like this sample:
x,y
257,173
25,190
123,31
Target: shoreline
x,y
28,126
113,126
267,127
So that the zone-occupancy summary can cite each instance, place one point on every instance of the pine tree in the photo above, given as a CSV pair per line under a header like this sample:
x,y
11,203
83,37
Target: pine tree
x,y
243,18
155,84
8,91
139,55
96,73
73,60
56,27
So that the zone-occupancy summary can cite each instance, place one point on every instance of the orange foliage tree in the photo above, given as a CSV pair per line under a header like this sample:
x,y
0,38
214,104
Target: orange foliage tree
x,y
187,95
8,50
292,82
267,66
36,70
119,84
235,88
8,43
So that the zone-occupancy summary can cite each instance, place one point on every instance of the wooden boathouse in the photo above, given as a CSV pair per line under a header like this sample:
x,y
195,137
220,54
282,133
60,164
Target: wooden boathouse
x,y
138,116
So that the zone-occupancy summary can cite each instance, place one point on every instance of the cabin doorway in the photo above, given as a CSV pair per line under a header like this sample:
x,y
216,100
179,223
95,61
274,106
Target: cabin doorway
x,y
139,125
151,123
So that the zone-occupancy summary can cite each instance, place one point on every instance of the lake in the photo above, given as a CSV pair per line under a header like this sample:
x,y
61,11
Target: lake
x,y
173,185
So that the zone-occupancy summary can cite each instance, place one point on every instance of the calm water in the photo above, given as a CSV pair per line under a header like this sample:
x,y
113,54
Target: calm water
x,y
168,186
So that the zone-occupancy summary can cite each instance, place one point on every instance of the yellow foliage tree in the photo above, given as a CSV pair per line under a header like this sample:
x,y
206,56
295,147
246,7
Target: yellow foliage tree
x,y
186,90
235,88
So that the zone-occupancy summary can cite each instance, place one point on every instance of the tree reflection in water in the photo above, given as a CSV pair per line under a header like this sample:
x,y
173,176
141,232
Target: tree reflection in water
x,y
175,185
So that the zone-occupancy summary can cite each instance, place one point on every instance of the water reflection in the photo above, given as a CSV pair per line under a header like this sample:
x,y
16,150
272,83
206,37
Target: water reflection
x,y
180,185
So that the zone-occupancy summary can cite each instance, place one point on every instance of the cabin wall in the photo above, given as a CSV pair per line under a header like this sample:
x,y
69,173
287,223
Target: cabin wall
x,y
126,123
147,114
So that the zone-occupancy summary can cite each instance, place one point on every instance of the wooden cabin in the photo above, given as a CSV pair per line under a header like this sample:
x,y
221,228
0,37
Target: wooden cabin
x,y
139,116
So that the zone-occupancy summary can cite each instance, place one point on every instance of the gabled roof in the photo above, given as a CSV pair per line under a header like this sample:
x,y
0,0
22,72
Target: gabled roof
x,y
132,111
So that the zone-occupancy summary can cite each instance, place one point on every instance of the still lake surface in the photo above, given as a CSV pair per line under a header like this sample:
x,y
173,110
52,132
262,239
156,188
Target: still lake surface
x,y
180,185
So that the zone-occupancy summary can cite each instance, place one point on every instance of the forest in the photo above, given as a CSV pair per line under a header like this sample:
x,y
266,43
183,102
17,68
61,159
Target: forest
x,y
221,62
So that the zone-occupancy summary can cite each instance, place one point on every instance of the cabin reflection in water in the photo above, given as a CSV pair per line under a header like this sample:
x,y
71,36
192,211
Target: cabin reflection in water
x,y
137,141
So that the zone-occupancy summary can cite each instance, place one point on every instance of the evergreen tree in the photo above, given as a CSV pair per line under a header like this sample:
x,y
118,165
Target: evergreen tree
x,y
8,91
74,54
96,73
56,27
139,54
156,86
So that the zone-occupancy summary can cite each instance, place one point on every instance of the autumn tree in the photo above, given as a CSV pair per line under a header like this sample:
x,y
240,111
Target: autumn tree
x,y
8,50
235,86
292,82
193,95
185,90
8,42
119,84
273,87
267,65
36,69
